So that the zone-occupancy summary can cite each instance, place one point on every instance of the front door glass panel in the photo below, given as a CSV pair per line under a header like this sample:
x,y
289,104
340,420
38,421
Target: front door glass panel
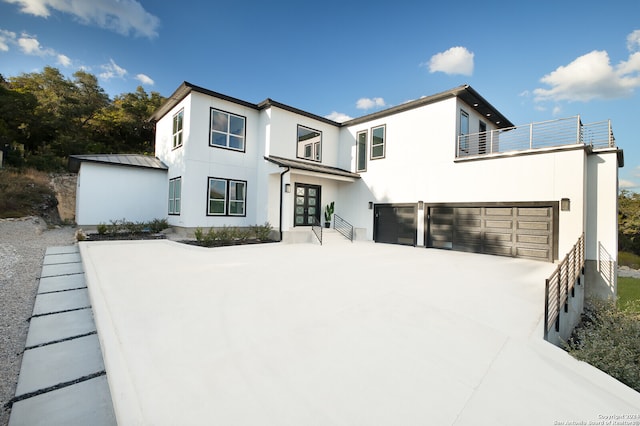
x,y
306,210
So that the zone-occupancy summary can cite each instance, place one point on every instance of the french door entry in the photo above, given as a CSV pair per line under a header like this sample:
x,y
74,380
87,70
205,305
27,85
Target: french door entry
x,y
307,205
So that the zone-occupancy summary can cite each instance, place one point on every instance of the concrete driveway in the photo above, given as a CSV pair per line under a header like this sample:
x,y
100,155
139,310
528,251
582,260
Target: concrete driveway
x,y
341,334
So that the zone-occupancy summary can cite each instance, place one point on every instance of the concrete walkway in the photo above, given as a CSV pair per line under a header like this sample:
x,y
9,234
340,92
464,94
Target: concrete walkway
x,y
339,334
62,378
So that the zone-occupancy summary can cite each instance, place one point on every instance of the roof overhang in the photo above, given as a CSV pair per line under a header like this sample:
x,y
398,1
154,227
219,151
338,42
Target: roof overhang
x,y
127,160
311,169
465,92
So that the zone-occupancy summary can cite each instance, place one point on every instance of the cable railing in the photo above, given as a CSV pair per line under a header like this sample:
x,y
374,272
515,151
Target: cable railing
x,y
561,284
317,229
541,135
343,227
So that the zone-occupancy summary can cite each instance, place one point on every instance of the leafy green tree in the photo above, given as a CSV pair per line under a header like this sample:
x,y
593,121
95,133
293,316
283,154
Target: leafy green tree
x,y
53,117
629,222
125,123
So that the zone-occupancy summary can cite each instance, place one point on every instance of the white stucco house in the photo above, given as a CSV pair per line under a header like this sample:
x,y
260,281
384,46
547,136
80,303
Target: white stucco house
x,y
446,171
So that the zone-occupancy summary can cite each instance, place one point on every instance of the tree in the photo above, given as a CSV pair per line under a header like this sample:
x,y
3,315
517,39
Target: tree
x,y
53,117
127,123
629,222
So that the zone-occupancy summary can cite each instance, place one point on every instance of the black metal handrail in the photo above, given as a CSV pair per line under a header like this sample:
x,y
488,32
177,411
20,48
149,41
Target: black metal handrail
x,y
343,227
560,284
317,229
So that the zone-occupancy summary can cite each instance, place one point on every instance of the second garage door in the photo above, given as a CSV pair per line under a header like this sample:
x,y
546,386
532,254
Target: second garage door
x,y
509,230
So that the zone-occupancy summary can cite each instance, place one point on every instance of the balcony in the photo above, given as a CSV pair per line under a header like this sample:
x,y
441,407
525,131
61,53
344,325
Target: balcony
x,y
534,137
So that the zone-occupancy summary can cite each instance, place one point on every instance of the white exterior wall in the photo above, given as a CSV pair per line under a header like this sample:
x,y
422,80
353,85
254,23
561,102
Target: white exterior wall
x,y
281,141
601,242
196,161
106,192
420,165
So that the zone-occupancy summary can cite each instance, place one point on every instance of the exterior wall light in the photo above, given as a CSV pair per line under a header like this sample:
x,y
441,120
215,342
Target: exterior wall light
x,y
565,204
370,205
420,205
287,187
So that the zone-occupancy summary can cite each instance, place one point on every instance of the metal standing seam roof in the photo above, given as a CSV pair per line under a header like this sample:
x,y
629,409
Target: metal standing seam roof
x,y
133,160
301,165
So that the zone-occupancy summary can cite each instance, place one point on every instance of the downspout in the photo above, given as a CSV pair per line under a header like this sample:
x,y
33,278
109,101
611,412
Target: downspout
x,y
282,198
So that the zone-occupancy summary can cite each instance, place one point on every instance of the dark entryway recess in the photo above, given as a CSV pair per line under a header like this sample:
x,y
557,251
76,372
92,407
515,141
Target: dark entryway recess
x,y
395,224
527,230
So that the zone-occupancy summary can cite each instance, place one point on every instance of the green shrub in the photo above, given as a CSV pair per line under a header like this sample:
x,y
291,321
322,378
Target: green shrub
x,y
243,234
102,228
609,339
262,232
157,225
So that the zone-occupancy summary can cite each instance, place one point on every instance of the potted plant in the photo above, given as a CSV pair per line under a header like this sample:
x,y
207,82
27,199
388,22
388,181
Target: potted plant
x,y
328,212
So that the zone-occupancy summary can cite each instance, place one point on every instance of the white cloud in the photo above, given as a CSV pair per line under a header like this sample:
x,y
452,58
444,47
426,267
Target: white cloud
x,y
64,60
457,60
368,103
627,184
122,16
633,41
30,45
112,70
591,76
145,79
6,38
338,117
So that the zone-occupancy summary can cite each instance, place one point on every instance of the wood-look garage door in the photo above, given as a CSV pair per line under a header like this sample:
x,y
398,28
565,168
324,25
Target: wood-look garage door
x,y
517,230
395,224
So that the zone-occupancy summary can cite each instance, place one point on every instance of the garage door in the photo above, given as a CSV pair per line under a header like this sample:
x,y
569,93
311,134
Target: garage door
x,y
395,224
517,230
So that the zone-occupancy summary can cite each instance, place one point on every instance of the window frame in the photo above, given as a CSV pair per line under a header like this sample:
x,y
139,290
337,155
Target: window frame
x,y
364,150
315,148
227,197
173,200
177,133
463,147
384,142
228,133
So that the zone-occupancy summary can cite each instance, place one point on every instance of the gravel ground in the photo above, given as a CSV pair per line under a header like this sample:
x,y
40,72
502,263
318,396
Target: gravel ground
x,y
22,246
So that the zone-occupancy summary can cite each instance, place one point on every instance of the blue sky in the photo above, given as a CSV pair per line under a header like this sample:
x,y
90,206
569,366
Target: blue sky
x,y
534,61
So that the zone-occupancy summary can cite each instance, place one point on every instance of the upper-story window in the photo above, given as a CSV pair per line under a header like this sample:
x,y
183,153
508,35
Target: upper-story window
x,y
227,130
463,132
178,120
309,144
361,151
378,142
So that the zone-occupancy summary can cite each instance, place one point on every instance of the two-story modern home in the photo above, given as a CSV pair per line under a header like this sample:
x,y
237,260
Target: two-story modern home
x,y
446,171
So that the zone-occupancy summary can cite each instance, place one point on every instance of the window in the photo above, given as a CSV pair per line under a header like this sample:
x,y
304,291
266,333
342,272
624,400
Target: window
x,y
175,189
482,140
226,197
227,130
178,120
378,142
361,151
464,131
309,144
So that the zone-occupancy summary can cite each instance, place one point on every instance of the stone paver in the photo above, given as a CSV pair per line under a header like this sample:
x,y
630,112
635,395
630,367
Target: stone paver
x,y
63,362
85,403
61,269
62,258
62,282
65,325
61,301
62,378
